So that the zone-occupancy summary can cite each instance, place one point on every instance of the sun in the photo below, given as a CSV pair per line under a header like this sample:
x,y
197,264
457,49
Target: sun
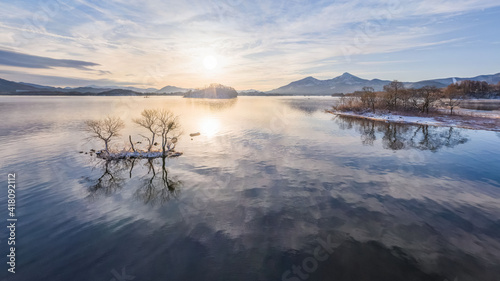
x,y
210,62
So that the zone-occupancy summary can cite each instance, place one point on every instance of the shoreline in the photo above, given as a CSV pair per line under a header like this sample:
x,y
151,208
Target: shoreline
x,y
458,121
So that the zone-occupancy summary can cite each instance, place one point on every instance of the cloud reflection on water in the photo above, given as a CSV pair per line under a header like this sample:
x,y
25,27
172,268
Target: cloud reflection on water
x,y
254,199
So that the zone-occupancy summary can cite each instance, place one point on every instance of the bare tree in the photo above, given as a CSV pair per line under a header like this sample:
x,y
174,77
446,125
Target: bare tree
x,y
405,98
454,95
168,127
414,98
148,120
429,95
369,97
161,123
393,91
104,129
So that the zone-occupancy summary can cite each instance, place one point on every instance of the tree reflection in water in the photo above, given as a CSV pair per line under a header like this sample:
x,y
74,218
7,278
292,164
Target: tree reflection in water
x,y
157,186
397,136
158,189
110,180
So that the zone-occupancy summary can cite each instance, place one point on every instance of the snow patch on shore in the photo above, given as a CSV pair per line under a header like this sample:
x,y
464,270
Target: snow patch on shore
x,y
394,118
137,154
490,123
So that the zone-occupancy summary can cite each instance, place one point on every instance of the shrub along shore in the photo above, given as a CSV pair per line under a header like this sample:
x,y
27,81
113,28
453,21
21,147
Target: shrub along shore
x,y
428,105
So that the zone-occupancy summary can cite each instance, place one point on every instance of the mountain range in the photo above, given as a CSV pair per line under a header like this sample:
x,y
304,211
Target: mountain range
x,y
348,83
345,83
171,89
10,87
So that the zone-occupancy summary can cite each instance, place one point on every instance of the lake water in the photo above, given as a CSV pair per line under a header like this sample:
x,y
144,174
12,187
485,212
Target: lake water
x,y
274,188
482,104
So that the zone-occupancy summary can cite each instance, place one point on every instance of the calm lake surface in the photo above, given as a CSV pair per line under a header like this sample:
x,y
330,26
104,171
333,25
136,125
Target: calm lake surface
x,y
274,188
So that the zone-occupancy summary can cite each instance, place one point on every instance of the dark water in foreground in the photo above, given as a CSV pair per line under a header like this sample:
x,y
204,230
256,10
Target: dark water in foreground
x,y
273,189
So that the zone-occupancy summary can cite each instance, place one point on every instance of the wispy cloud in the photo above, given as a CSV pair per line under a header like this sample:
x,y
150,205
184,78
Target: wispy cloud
x,y
383,62
24,60
259,44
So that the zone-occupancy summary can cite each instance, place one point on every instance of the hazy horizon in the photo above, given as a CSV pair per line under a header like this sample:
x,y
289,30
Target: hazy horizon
x,y
261,45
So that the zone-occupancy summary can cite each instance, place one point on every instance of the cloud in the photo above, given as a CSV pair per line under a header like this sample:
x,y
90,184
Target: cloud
x,y
11,58
60,81
384,62
104,72
157,42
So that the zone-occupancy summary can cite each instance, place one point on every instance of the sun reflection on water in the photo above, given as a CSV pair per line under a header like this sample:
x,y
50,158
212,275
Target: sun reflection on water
x,y
209,126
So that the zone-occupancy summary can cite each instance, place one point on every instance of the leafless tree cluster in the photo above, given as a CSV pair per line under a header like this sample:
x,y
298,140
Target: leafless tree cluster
x,y
396,97
159,123
475,89
393,94
369,98
453,96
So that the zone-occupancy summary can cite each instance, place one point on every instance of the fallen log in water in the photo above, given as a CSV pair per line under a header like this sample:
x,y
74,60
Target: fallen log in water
x,y
194,134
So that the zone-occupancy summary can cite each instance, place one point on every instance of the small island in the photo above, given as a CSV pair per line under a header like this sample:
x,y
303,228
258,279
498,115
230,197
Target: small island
x,y
161,125
214,91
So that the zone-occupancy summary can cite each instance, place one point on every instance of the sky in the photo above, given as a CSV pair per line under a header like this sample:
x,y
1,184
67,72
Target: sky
x,y
256,44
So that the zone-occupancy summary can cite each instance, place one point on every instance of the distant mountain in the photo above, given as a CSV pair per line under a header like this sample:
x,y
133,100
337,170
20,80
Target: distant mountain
x,y
247,91
254,93
420,84
22,87
18,87
10,86
38,86
118,92
91,90
97,89
135,89
171,89
491,79
140,90
348,83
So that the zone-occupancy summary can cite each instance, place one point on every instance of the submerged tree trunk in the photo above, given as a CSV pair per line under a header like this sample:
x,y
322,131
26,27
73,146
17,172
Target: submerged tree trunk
x,y
152,142
163,143
131,143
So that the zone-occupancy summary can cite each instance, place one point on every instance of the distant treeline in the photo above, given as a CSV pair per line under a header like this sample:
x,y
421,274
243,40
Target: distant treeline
x,y
395,97
475,89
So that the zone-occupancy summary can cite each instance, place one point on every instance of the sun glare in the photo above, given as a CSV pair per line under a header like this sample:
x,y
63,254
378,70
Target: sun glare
x,y
210,62
209,127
